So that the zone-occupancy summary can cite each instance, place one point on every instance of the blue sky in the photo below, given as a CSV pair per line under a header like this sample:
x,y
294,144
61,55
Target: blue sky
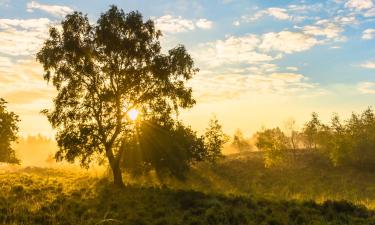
x,y
261,62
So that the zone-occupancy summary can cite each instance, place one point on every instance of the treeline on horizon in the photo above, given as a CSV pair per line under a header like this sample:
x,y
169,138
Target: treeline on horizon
x,y
342,141
348,141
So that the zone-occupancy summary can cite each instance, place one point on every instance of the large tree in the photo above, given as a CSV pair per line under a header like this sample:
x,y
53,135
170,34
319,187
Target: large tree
x,y
8,133
103,71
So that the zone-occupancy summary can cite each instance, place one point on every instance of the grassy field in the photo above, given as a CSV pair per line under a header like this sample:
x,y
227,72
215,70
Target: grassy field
x,y
238,190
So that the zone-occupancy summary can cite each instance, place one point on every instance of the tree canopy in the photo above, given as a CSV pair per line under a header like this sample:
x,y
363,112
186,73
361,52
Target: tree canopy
x,y
101,72
8,133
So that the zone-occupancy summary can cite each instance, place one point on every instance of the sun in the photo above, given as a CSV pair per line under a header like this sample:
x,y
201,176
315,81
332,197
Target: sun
x,y
133,114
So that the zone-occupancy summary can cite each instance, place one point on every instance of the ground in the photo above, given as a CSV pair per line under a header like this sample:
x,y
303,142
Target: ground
x,y
238,190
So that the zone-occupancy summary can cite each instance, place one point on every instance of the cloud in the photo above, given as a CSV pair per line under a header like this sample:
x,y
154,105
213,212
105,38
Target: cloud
x,y
28,24
236,86
370,13
329,31
22,37
277,13
236,23
368,65
204,24
22,82
251,49
232,50
55,10
171,24
368,34
287,41
367,87
292,68
359,4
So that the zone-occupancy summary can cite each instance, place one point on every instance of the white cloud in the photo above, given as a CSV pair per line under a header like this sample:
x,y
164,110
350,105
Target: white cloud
x,y
368,34
29,24
367,87
230,85
278,13
292,68
368,65
232,50
5,62
287,41
288,77
359,4
329,30
370,13
55,10
236,23
22,37
204,24
171,24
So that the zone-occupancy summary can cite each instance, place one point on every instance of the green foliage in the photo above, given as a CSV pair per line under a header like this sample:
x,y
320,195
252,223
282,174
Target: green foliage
x,y
275,144
8,133
168,148
351,141
52,197
214,139
102,71
312,131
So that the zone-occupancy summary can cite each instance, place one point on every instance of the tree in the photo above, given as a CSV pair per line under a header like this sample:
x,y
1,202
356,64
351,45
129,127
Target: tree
x,y
274,143
8,133
169,148
103,71
239,141
293,135
214,140
311,132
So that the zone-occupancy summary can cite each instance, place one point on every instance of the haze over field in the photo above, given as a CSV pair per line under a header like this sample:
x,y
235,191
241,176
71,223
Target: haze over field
x,y
261,61
226,112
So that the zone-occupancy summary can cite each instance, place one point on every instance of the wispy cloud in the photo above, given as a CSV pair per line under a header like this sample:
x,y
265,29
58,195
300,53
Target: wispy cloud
x,y
204,24
368,65
22,83
232,50
172,24
22,37
367,87
55,10
368,34
236,86
287,41
359,4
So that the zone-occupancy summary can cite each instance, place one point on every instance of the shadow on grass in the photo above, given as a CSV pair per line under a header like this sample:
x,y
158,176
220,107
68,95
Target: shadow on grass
x,y
102,203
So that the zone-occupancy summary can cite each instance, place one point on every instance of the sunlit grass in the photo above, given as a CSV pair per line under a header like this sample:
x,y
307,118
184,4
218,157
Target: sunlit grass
x,y
238,190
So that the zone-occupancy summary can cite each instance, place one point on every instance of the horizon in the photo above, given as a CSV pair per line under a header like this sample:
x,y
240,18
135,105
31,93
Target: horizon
x,y
260,62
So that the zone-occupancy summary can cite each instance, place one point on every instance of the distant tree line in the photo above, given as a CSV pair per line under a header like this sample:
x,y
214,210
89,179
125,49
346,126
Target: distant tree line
x,y
343,142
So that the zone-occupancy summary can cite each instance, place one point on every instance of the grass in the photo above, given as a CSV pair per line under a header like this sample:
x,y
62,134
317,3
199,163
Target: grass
x,y
238,190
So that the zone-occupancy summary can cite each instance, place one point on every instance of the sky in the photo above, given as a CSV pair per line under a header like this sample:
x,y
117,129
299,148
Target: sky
x,y
261,62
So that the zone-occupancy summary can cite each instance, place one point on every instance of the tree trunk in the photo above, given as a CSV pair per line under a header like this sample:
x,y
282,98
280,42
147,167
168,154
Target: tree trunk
x,y
116,170
117,174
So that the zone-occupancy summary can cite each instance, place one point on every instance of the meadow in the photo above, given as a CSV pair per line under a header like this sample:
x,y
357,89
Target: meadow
x,y
238,190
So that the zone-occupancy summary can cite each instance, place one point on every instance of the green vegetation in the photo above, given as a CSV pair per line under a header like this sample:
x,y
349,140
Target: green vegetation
x,y
105,75
238,190
8,133
349,142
